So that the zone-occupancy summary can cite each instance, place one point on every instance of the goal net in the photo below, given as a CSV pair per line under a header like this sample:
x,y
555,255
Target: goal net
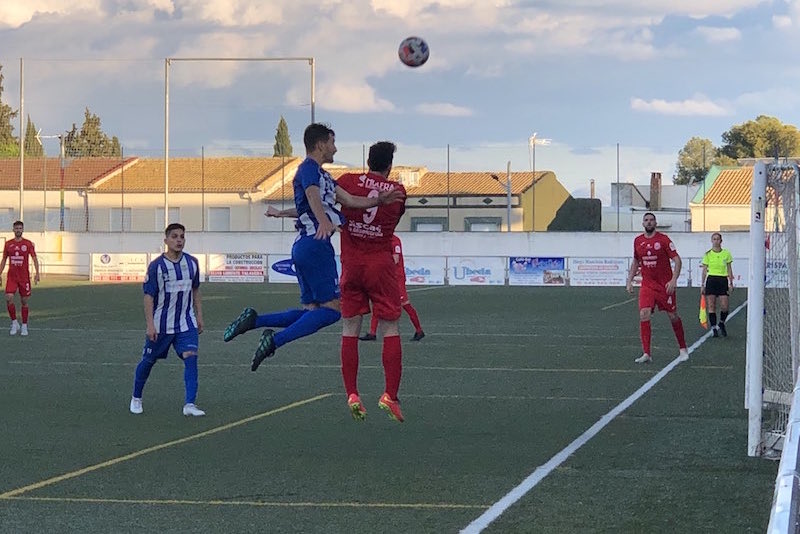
x,y
773,304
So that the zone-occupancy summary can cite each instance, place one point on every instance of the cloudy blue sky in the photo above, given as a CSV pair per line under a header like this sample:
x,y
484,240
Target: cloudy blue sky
x,y
586,74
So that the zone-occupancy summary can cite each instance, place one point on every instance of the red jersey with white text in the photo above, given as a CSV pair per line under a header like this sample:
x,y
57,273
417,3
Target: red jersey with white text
x,y
17,254
369,231
654,254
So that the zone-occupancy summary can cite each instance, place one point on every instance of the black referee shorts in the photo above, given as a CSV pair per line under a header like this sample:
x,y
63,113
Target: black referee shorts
x,y
716,285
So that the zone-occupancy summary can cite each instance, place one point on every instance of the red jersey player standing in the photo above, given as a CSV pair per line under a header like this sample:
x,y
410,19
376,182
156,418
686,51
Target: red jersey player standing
x,y
369,275
652,252
405,302
16,252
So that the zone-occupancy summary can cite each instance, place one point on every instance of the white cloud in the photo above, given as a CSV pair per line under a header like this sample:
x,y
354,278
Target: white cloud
x,y
444,109
16,13
699,105
351,97
719,35
234,12
782,21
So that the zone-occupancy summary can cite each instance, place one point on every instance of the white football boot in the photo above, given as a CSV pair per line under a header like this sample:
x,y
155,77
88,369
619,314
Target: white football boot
x,y
191,409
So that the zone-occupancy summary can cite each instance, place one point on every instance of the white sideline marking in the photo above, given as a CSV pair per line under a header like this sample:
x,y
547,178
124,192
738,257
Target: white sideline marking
x,y
542,471
604,308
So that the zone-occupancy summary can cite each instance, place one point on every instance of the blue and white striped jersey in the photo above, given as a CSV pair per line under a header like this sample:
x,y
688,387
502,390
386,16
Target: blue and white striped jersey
x,y
311,173
170,284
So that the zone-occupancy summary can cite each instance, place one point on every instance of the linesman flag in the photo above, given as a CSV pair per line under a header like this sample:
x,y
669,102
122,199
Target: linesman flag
x,y
703,313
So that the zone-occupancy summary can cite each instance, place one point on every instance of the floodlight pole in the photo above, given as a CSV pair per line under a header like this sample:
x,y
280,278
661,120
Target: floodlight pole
x,y
168,61
21,140
532,142
507,185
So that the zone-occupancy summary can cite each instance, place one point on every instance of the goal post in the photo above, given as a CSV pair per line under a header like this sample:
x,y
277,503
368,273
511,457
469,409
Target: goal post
x,y
773,312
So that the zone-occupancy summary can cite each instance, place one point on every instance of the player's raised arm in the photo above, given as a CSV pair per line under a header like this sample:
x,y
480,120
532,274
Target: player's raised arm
x,y
275,212
357,202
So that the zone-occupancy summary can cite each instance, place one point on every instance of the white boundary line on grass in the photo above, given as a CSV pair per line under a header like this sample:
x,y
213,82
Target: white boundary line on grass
x,y
542,471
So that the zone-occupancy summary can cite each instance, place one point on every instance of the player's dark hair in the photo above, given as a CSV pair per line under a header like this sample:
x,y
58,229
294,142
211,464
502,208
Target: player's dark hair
x,y
315,133
649,213
174,226
717,233
381,155
18,223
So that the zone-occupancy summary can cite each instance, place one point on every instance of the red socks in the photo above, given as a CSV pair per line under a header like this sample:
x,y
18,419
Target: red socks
x,y
373,324
12,310
412,314
24,315
645,331
350,364
392,364
677,327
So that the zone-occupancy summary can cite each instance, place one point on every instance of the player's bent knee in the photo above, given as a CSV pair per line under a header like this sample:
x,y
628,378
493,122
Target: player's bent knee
x,y
188,354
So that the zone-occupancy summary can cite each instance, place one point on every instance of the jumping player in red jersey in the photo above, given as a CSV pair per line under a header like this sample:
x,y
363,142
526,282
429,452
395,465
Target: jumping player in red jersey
x,y
17,251
369,275
652,252
405,302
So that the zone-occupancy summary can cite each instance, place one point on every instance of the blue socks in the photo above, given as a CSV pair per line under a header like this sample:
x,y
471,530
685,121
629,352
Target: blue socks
x,y
306,324
279,319
141,375
190,378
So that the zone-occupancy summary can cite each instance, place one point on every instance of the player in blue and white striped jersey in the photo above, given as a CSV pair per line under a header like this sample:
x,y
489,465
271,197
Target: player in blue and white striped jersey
x,y
174,315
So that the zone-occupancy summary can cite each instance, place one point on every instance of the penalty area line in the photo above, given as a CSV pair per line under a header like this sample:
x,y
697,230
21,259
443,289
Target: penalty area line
x,y
497,509
273,504
604,308
133,455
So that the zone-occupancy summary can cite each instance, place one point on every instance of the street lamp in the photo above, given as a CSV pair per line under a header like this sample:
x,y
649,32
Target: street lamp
x,y
61,164
532,142
507,185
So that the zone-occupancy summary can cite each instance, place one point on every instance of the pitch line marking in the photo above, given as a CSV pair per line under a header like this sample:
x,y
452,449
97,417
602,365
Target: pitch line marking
x,y
511,397
276,504
617,304
545,469
133,455
332,366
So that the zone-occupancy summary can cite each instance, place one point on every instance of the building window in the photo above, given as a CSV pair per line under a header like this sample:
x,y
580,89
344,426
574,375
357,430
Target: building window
x,y
52,219
6,218
120,220
219,219
482,224
174,217
428,224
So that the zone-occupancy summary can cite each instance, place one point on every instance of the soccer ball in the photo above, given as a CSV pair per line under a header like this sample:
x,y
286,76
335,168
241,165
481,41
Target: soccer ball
x,y
413,51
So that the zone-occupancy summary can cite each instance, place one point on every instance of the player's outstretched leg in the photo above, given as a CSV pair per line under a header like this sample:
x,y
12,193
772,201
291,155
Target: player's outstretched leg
x,y
266,348
246,321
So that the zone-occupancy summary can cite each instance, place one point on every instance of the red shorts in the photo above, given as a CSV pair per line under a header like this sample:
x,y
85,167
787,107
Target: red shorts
x,y
650,298
23,286
374,282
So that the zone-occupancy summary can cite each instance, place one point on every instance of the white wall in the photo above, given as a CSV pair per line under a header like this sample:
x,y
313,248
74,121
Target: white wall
x,y
582,244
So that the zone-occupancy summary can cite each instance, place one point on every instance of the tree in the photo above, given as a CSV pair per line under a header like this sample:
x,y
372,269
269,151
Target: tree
x,y
33,147
765,137
90,141
694,161
283,145
9,145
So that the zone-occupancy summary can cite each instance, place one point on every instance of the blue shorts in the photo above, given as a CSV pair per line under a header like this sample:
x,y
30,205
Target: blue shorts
x,y
315,263
159,349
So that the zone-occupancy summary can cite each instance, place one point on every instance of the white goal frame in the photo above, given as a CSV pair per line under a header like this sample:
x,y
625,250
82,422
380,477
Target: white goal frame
x,y
768,205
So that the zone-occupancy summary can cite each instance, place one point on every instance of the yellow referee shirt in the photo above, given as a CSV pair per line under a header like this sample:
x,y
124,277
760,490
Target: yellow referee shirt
x,y
717,262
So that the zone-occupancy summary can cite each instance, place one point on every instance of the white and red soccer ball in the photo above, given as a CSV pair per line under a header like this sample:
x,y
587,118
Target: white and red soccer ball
x,y
413,51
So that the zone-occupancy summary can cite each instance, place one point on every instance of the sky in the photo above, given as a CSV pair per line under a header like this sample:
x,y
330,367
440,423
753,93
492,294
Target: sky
x,y
617,86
